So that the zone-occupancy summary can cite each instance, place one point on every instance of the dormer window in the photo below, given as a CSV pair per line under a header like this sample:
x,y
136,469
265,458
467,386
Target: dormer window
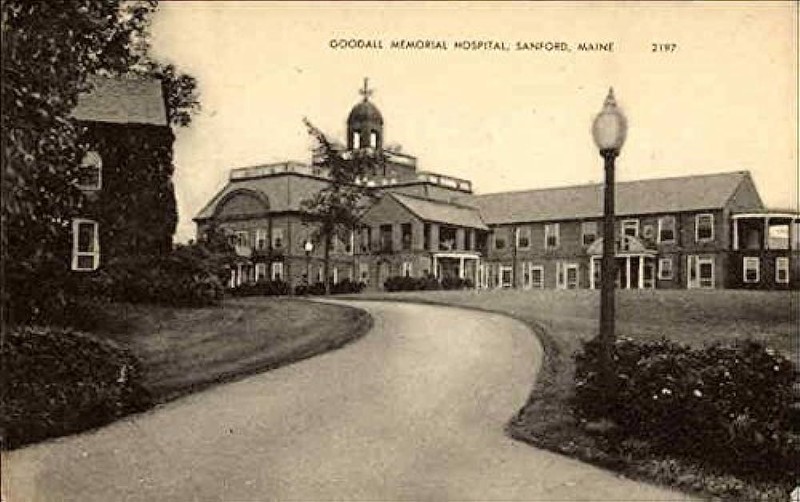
x,y
90,172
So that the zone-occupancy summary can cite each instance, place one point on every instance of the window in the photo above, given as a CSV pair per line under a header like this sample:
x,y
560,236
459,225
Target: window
x,y
665,269
750,266
405,233
537,277
700,271
334,275
782,270
499,242
373,139
356,139
551,235
261,238
666,229
778,236
85,245
630,228
469,239
366,237
572,276
351,239
523,237
277,270
567,275
704,227
363,272
90,172
261,271
320,273
406,270
506,276
386,239
588,232
426,237
447,238
277,238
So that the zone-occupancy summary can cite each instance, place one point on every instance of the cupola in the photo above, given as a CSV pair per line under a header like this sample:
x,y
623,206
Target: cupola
x,y
365,123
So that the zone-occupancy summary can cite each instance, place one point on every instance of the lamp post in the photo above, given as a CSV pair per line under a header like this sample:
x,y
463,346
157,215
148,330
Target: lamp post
x,y
308,247
608,130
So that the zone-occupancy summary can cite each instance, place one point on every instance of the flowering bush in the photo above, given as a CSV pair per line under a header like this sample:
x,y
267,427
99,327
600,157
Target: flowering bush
x,y
726,405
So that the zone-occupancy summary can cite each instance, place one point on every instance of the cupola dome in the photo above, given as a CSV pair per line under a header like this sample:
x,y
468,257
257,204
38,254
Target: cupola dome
x,y
365,123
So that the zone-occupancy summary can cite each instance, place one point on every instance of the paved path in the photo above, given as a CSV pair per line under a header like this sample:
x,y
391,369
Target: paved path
x,y
414,411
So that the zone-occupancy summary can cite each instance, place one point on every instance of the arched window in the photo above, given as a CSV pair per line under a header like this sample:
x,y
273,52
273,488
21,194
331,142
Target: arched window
x,y
90,173
373,139
356,139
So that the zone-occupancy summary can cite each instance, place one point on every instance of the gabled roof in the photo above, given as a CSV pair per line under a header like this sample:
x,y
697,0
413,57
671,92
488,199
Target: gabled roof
x,y
687,193
440,211
122,101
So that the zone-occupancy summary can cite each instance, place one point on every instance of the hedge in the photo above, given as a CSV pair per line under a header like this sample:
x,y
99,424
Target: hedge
x,y
727,406
428,283
59,381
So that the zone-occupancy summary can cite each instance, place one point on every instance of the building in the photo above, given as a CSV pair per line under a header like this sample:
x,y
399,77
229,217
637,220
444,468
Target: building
x,y
705,231
125,174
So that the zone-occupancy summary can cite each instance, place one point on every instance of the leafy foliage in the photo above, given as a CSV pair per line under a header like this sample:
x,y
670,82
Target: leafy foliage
x,y
263,288
428,283
337,208
727,406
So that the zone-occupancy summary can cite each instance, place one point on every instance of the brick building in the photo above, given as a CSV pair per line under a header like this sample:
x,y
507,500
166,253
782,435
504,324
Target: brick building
x,y
706,231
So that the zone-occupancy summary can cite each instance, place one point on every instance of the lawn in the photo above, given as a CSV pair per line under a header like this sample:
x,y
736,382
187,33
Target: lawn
x,y
183,350
563,319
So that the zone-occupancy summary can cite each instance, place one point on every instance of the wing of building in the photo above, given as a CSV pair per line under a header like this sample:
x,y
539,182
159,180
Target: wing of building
x,y
703,231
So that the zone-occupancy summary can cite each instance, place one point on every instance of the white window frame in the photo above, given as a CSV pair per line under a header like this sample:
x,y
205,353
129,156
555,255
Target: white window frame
x,y
661,225
747,264
627,223
665,273
276,270
335,274
407,269
501,270
261,236
577,268
584,233
555,230
781,263
77,253
519,232
697,219
540,269
261,271
693,265
85,163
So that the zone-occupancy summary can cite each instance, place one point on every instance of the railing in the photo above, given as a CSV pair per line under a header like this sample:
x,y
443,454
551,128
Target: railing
x,y
277,168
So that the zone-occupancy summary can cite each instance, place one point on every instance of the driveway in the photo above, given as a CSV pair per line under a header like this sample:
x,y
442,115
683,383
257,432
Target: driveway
x,y
413,411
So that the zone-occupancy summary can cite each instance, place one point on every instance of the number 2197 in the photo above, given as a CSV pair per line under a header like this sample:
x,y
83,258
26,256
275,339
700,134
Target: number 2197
x,y
664,47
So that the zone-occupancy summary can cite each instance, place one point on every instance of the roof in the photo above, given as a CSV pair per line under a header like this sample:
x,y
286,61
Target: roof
x,y
122,101
365,111
440,211
688,193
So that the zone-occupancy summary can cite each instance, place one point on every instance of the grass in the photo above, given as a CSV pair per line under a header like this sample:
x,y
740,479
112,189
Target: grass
x,y
184,350
564,319
62,382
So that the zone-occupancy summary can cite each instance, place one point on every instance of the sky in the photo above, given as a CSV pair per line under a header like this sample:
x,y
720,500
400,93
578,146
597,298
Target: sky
x,y
717,93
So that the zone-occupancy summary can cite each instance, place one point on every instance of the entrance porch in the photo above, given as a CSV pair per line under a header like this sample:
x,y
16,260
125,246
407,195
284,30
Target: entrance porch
x,y
456,265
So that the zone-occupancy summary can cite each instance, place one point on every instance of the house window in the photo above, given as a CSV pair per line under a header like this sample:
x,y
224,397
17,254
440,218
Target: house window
x,y
406,270
320,273
704,227
261,271
90,172
700,271
523,237
778,236
348,246
666,229
277,238
572,276
261,238
567,275
334,275
277,270
537,277
366,237
469,239
363,272
588,232
426,236
630,228
665,269
447,238
85,245
241,238
782,270
750,266
551,235
499,241
506,276
405,233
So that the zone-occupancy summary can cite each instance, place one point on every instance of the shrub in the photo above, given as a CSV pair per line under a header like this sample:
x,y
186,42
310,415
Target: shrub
x,y
262,288
347,286
723,405
403,283
456,283
318,288
60,381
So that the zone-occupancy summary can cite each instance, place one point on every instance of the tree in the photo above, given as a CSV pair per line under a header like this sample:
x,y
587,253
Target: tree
x,y
49,49
337,208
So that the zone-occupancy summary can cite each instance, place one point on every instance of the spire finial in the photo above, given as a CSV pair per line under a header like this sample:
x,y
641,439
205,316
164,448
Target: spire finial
x,y
366,91
610,99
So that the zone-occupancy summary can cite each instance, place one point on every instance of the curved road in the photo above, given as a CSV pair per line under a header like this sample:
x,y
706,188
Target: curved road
x,y
413,411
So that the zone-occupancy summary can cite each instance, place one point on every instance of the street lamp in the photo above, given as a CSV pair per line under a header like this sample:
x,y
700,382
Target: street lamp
x,y
608,130
308,247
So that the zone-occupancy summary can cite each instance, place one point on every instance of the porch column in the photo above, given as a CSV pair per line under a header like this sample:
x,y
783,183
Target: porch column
x,y
591,272
477,273
735,234
435,270
461,268
641,272
628,274
766,233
